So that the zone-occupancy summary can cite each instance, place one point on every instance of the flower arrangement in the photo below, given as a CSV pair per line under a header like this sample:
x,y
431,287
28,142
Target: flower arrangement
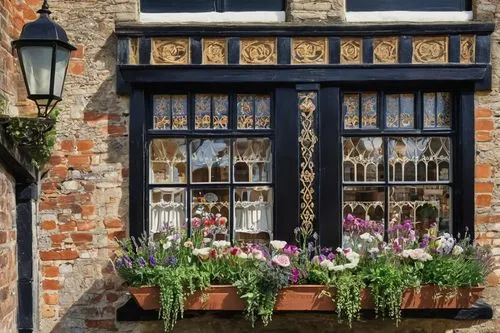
x,y
180,265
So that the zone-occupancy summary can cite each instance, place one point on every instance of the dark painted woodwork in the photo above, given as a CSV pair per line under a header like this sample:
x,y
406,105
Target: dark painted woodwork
x,y
284,50
144,50
334,50
405,49
407,5
233,46
483,49
454,48
367,50
196,56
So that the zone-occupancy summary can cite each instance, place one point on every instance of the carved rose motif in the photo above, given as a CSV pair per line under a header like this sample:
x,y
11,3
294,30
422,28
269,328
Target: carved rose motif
x,y
134,51
170,51
386,52
430,50
214,51
258,52
351,52
309,51
467,49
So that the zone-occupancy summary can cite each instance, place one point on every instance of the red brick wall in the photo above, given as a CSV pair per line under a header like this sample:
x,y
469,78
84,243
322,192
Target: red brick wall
x,y
8,257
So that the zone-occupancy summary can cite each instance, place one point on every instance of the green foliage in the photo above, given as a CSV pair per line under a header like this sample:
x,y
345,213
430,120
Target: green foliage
x,y
451,272
35,136
3,105
348,288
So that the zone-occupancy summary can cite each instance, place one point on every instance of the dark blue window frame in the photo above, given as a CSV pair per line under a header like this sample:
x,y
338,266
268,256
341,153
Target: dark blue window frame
x,y
408,5
180,6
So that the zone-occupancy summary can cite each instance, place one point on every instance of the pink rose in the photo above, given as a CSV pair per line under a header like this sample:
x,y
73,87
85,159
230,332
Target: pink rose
x,y
281,260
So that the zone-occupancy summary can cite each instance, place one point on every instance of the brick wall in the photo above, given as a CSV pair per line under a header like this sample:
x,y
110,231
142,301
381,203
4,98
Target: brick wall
x,y
8,257
84,199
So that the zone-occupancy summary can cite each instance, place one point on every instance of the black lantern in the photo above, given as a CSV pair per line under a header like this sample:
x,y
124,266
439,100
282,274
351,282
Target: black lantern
x,y
44,53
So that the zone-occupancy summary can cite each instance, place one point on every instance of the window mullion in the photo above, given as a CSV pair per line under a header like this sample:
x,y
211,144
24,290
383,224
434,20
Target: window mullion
x,y
386,187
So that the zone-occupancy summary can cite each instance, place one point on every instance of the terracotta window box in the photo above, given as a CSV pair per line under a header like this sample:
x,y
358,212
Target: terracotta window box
x,y
310,298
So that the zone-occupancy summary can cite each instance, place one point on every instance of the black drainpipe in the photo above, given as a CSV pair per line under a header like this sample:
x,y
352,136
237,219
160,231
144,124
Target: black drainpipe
x,y
26,194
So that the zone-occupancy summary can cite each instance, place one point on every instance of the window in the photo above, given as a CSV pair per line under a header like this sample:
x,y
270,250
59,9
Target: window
x,y
408,5
212,153
398,157
180,6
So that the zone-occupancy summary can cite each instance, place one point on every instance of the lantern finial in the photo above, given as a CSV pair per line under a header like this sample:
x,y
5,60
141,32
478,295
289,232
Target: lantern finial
x,y
45,8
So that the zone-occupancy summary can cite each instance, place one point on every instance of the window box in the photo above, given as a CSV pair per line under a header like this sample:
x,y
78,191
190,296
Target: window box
x,y
310,298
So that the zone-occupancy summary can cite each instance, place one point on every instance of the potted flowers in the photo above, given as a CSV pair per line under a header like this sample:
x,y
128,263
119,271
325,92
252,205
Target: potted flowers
x,y
176,272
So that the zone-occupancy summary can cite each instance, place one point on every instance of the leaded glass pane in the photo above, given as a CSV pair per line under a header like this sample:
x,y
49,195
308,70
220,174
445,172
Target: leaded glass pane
x,y
210,161
424,205
167,209
363,159
419,159
245,104
220,105
263,112
252,160
429,110
351,110
392,111
369,110
161,112
168,161
253,214
364,202
203,112
216,203
400,110
179,112
443,109
407,110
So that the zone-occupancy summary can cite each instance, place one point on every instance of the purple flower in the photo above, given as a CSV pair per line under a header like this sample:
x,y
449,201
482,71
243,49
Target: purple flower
x,y
171,261
291,250
425,241
152,260
331,256
295,275
141,261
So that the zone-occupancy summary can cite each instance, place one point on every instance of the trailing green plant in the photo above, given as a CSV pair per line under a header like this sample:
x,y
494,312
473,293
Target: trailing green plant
x,y
35,136
348,290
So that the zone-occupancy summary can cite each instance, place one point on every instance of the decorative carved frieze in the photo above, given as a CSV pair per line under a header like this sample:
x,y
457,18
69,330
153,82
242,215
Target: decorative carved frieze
x,y
307,103
133,57
467,49
309,50
170,51
214,51
429,49
351,51
385,50
258,51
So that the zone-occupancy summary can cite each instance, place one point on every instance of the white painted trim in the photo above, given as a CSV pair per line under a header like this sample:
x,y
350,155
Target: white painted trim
x,y
408,16
214,17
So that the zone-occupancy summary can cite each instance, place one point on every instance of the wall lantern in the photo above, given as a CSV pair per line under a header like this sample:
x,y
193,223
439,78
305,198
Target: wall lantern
x,y
44,53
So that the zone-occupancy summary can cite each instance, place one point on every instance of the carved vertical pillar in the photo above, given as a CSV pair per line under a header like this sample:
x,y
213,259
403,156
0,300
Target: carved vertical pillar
x,y
308,105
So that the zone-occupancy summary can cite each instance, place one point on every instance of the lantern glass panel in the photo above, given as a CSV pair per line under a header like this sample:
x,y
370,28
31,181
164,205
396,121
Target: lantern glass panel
x,y
37,63
62,58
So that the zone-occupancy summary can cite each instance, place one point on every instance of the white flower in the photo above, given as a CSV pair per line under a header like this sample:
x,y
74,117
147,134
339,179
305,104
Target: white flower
x,y
416,254
278,245
169,238
242,255
338,268
203,253
457,250
373,250
366,237
351,265
326,263
339,250
352,256
167,245
221,244
257,254
207,240
379,237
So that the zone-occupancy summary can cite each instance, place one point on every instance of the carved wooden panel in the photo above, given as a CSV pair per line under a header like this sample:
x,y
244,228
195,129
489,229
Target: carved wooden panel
x,y
134,51
258,51
170,51
351,51
385,50
430,49
214,51
309,50
467,49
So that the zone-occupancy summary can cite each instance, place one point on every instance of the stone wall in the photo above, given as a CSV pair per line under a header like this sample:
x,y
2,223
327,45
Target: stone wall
x,y
84,199
8,256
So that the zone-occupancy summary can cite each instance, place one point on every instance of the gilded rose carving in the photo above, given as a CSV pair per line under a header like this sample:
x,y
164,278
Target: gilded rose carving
x,y
134,51
258,51
385,50
309,51
214,51
467,49
171,51
430,49
350,51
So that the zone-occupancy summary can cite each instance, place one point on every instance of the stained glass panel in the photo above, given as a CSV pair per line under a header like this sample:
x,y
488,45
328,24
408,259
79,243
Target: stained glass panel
x,y
351,110
161,112
392,111
253,214
419,159
245,104
429,110
202,111
424,205
363,159
168,161
252,160
369,110
263,112
443,109
167,209
179,112
210,161
407,111
220,105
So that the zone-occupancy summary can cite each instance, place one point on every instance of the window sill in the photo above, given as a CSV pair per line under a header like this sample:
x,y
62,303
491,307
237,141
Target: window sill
x,y
214,17
409,16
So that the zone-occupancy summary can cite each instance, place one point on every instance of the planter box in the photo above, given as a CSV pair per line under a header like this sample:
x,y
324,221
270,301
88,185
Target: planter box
x,y
311,298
